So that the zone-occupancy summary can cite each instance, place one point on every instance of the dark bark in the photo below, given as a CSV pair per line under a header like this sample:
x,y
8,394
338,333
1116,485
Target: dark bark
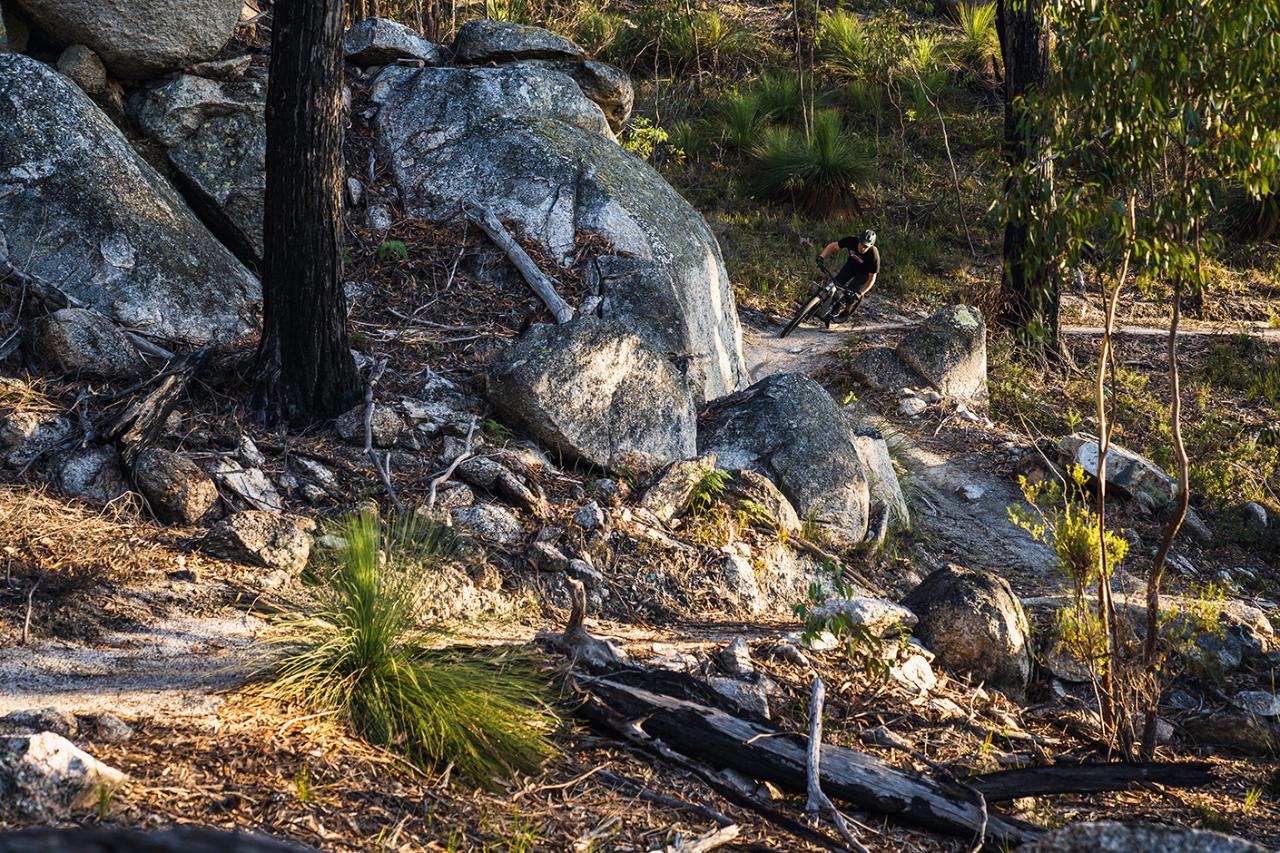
x,y
305,369
116,839
1088,778
1030,289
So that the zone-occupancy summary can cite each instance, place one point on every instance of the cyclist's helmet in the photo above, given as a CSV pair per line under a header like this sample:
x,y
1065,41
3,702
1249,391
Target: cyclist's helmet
x,y
869,237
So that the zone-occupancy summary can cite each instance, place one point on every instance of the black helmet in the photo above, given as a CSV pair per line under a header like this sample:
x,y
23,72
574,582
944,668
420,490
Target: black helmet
x,y
868,237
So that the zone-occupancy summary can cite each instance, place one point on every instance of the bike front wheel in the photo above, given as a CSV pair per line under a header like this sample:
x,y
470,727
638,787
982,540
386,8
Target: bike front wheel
x,y
805,311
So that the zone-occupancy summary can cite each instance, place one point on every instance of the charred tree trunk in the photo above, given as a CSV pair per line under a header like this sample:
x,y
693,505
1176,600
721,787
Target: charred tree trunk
x,y
1030,289
305,369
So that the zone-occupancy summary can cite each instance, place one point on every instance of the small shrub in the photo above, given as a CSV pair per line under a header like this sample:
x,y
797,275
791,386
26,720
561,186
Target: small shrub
x,y
707,490
393,249
359,656
742,120
823,173
979,46
642,137
843,44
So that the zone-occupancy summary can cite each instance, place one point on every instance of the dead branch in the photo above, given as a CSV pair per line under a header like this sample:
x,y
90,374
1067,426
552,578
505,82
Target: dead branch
x,y
541,284
26,622
1088,778
817,801
383,467
453,466
644,793
143,420
713,840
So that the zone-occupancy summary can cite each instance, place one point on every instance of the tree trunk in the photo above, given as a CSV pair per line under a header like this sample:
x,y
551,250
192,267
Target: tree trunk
x,y
305,369
1030,289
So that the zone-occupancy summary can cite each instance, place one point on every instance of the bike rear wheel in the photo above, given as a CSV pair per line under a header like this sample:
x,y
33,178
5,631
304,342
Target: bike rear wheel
x,y
805,311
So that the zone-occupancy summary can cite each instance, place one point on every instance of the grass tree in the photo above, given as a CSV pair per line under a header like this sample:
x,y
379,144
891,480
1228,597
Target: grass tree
x,y
1153,108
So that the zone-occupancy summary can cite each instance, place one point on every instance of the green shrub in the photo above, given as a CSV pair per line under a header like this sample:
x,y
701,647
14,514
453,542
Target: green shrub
x,y
597,30
821,173
780,97
358,655
642,137
393,249
742,119
843,44
979,46
689,138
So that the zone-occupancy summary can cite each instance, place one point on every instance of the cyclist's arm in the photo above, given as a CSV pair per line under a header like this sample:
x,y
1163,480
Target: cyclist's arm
x,y
831,247
871,279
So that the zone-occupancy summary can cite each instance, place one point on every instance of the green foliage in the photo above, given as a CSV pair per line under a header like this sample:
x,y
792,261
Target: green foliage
x,y
666,32
689,137
979,45
359,656
780,97
707,490
1245,364
393,249
742,120
1059,517
597,30
857,640
822,173
642,137
844,45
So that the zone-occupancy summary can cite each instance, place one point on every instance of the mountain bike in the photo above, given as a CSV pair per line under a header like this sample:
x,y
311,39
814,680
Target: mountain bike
x,y
820,302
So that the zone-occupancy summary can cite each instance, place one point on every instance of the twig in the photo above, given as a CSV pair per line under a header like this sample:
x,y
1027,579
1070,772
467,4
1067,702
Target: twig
x,y
818,801
26,623
663,800
453,466
541,284
946,142
382,467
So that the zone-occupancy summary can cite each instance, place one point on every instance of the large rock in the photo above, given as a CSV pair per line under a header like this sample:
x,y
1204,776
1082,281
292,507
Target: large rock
x,y
1128,474
481,41
597,393
950,350
44,777
78,342
214,136
526,142
789,429
1109,837
263,539
757,496
140,40
607,85
25,435
92,474
669,495
79,208
873,450
378,41
974,624
176,488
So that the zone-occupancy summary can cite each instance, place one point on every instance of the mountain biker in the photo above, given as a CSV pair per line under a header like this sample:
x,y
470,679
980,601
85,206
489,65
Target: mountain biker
x,y
856,277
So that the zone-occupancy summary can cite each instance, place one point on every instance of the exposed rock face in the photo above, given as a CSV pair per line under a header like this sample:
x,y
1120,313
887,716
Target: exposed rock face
x,y
92,474
974,624
609,86
525,142
140,40
881,478
491,522
1109,837
263,539
80,208
85,67
25,435
670,493
789,429
78,342
177,490
45,777
214,136
482,41
755,494
881,368
596,392
950,351
1128,474
378,41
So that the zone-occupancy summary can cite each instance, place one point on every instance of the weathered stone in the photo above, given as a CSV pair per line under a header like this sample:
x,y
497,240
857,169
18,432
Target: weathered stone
x,y
1255,518
526,143
480,41
739,583
76,342
250,485
547,557
670,493
1235,730
735,658
214,136
24,435
589,517
607,85
755,494
877,617
950,351
882,480
260,538
32,721
750,696
1128,474
789,429
223,69
491,522
14,32
176,488
1262,703
85,68
1108,837
140,40
79,208
378,41
973,623
385,427
595,392
103,727
881,368
45,777
92,474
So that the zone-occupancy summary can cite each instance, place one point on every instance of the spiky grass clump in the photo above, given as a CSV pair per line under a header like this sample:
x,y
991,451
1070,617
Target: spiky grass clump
x,y
742,119
822,173
843,44
979,46
360,657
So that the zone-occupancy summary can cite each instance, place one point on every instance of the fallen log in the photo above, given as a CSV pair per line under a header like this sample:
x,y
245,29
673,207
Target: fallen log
x,y
1088,778
764,752
541,284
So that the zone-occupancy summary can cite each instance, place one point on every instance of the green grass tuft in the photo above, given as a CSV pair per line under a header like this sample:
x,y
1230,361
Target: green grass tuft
x,y
360,656
821,173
